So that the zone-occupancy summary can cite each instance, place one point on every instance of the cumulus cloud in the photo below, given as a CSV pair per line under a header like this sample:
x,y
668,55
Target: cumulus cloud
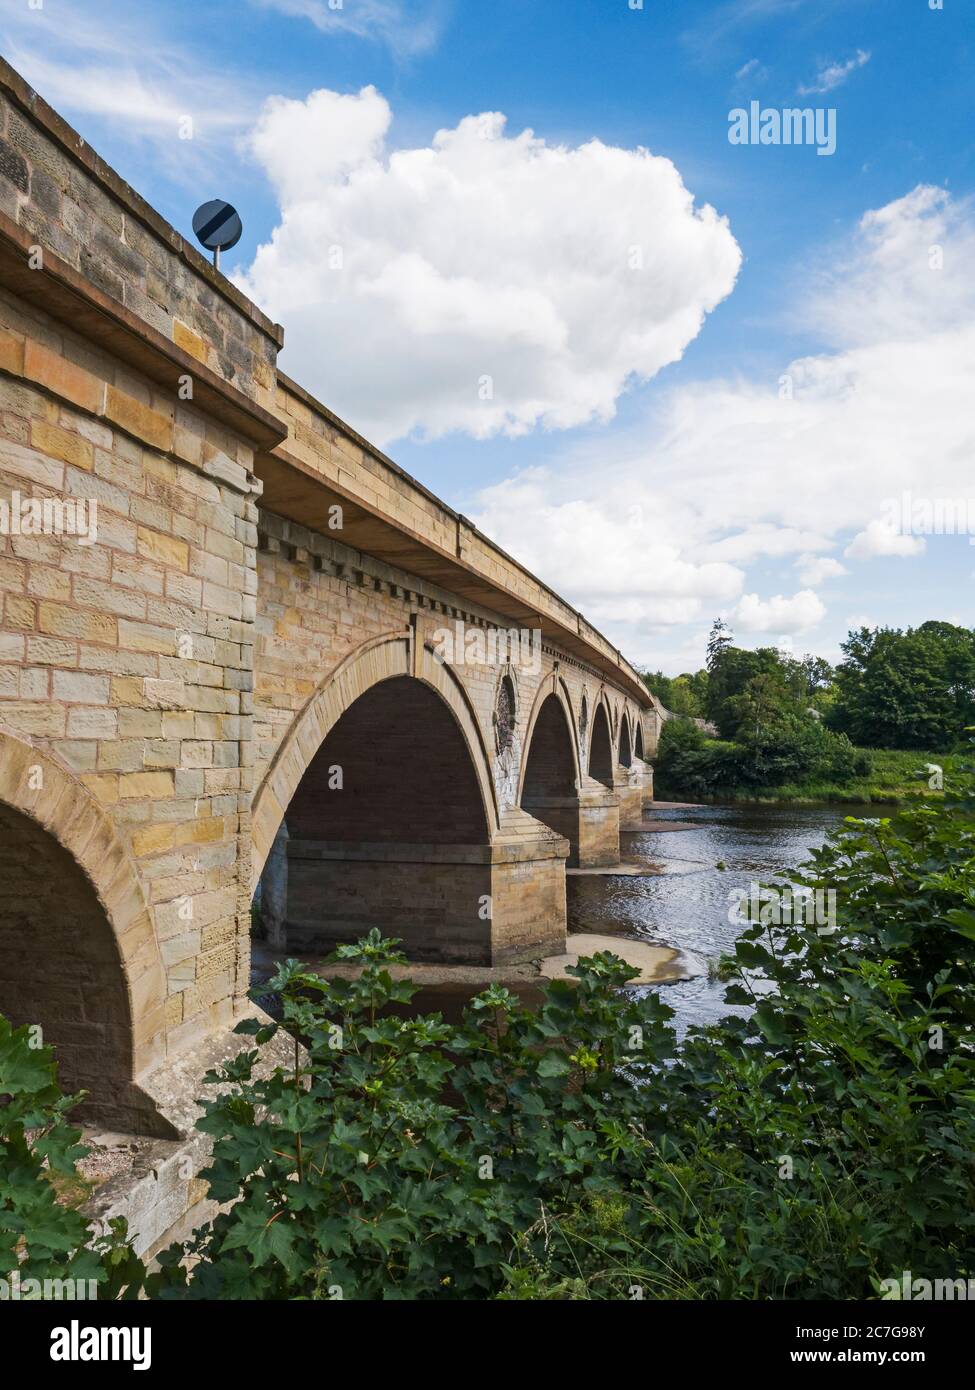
x,y
786,471
789,616
833,75
488,282
814,569
881,538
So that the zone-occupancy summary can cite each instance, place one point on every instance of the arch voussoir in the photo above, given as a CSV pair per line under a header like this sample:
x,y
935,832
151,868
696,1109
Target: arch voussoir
x,y
48,796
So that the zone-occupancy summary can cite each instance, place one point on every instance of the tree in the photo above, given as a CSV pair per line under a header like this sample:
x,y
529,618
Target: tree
x,y
721,637
912,689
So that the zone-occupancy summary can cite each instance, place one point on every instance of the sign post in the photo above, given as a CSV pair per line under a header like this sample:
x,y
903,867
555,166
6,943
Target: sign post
x,y
218,227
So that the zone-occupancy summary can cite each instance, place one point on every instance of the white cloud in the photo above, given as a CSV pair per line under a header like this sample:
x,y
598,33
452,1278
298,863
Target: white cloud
x,y
814,569
881,538
729,472
789,616
489,283
753,70
388,21
122,68
833,75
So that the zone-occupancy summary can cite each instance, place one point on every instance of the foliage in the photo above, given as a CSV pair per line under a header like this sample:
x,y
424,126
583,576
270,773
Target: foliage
x,y
774,747
812,1147
43,1236
401,1158
913,689
826,1142
685,695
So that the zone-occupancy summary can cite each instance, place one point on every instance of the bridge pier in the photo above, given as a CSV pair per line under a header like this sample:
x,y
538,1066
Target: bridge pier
x,y
453,903
628,788
589,819
646,771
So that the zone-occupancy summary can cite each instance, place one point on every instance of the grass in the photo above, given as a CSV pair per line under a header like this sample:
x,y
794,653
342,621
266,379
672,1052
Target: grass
x,y
891,780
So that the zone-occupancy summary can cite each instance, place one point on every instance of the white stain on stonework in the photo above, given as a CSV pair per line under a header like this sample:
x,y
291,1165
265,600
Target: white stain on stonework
x,y
506,768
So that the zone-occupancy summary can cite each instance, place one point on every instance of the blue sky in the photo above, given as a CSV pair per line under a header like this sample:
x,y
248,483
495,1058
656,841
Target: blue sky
x,y
640,450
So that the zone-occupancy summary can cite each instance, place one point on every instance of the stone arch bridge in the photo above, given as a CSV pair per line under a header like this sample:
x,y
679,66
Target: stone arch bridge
x,y
239,647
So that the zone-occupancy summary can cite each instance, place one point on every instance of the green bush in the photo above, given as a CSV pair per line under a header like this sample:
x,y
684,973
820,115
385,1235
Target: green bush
x,y
791,748
401,1158
826,1142
43,1235
813,1147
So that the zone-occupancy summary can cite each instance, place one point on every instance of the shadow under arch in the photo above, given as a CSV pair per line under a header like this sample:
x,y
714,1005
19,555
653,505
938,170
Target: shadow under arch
x,y
625,752
380,811
551,716
392,655
600,760
78,951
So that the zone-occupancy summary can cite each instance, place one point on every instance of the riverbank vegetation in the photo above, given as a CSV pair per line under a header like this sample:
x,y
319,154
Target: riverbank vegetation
x,y
765,725
817,1147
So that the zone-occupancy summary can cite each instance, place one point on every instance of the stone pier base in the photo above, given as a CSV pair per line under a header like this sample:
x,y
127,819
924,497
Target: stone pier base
x,y
628,787
476,904
589,820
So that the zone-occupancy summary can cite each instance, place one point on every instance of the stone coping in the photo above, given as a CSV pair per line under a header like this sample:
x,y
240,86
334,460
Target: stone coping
x,y
74,301
64,135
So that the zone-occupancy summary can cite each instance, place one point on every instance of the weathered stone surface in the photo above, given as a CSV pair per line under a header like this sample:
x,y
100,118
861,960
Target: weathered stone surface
x,y
190,668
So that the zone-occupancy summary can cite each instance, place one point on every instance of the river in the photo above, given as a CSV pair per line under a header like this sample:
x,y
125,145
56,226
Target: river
x,y
687,906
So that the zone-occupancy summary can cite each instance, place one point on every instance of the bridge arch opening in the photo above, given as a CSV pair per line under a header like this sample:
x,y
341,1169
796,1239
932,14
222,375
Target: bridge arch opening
x,y
549,766
387,828
638,741
550,782
62,973
601,748
626,757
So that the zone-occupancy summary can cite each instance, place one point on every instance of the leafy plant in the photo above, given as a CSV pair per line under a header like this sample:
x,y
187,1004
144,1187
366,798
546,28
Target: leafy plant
x,y
400,1158
43,1235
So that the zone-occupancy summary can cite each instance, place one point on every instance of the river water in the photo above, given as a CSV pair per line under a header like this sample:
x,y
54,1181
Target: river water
x,y
687,906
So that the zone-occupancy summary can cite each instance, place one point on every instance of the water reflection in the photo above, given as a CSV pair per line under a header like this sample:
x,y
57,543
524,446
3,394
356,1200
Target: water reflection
x,y
687,905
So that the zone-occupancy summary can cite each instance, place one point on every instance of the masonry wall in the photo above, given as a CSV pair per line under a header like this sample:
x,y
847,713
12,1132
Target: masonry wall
x,y
58,190
130,659
319,599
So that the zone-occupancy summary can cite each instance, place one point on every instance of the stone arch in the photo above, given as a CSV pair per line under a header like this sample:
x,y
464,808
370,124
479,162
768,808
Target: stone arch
x,y
638,737
391,823
78,950
600,761
391,655
550,719
625,747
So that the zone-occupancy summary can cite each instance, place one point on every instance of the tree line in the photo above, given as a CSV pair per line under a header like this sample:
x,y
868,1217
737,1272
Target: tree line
x,y
782,717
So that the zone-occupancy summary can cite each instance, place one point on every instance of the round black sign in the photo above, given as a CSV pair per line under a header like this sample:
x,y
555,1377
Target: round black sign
x,y
217,225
